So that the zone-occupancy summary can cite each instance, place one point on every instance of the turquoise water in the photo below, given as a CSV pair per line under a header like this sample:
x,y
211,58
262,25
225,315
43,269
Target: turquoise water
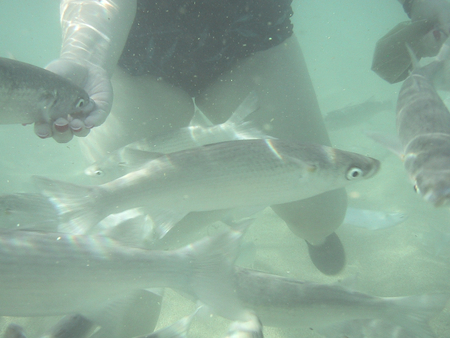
x,y
338,40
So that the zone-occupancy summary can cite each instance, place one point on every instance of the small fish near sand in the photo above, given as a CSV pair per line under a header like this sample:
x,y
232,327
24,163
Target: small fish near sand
x,y
30,94
373,220
352,115
226,175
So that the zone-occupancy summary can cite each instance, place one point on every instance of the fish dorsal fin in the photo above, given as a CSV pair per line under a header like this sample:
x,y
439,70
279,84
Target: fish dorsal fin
x,y
248,106
199,119
134,158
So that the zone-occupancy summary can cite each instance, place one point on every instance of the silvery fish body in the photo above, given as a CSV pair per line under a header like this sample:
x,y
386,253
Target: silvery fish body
x,y
31,94
200,132
234,174
423,126
286,302
47,274
373,220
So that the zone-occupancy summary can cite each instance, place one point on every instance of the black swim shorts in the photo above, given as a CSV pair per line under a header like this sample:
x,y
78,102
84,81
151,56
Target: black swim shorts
x,y
189,43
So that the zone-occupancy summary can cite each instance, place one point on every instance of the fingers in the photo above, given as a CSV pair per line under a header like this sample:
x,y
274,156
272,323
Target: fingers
x,y
62,130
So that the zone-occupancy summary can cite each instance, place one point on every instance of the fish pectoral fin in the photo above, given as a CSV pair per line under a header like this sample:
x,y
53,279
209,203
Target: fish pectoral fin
x,y
389,141
131,231
162,221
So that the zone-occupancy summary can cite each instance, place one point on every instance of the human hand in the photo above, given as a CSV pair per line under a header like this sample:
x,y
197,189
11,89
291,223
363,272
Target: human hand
x,y
95,81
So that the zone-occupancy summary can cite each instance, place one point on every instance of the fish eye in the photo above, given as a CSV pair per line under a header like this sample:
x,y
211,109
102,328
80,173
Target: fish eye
x,y
98,172
353,173
80,103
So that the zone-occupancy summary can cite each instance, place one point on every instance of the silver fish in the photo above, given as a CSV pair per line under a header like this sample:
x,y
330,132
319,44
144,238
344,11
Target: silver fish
x,y
423,126
373,220
47,274
234,174
355,114
285,302
31,94
200,132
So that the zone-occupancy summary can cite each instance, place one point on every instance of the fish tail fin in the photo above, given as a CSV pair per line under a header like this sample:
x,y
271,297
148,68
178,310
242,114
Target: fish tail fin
x,y
212,262
248,106
414,312
245,129
79,207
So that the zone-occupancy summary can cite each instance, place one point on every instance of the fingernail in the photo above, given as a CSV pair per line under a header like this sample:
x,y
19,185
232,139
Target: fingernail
x,y
61,125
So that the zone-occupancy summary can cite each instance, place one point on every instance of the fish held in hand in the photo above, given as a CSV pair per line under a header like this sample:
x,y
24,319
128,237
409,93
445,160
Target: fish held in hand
x,y
30,94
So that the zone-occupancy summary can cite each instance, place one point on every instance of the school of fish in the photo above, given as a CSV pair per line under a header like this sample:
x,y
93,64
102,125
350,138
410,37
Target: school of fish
x,y
87,252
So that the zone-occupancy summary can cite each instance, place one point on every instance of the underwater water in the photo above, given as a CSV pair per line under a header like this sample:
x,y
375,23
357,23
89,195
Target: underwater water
x,y
337,39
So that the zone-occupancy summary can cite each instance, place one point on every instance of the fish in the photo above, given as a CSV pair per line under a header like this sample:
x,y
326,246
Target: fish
x,y
355,114
373,220
423,127
71,326
226,175
287,302
365,328
49,274
14,331
30,94
200,131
